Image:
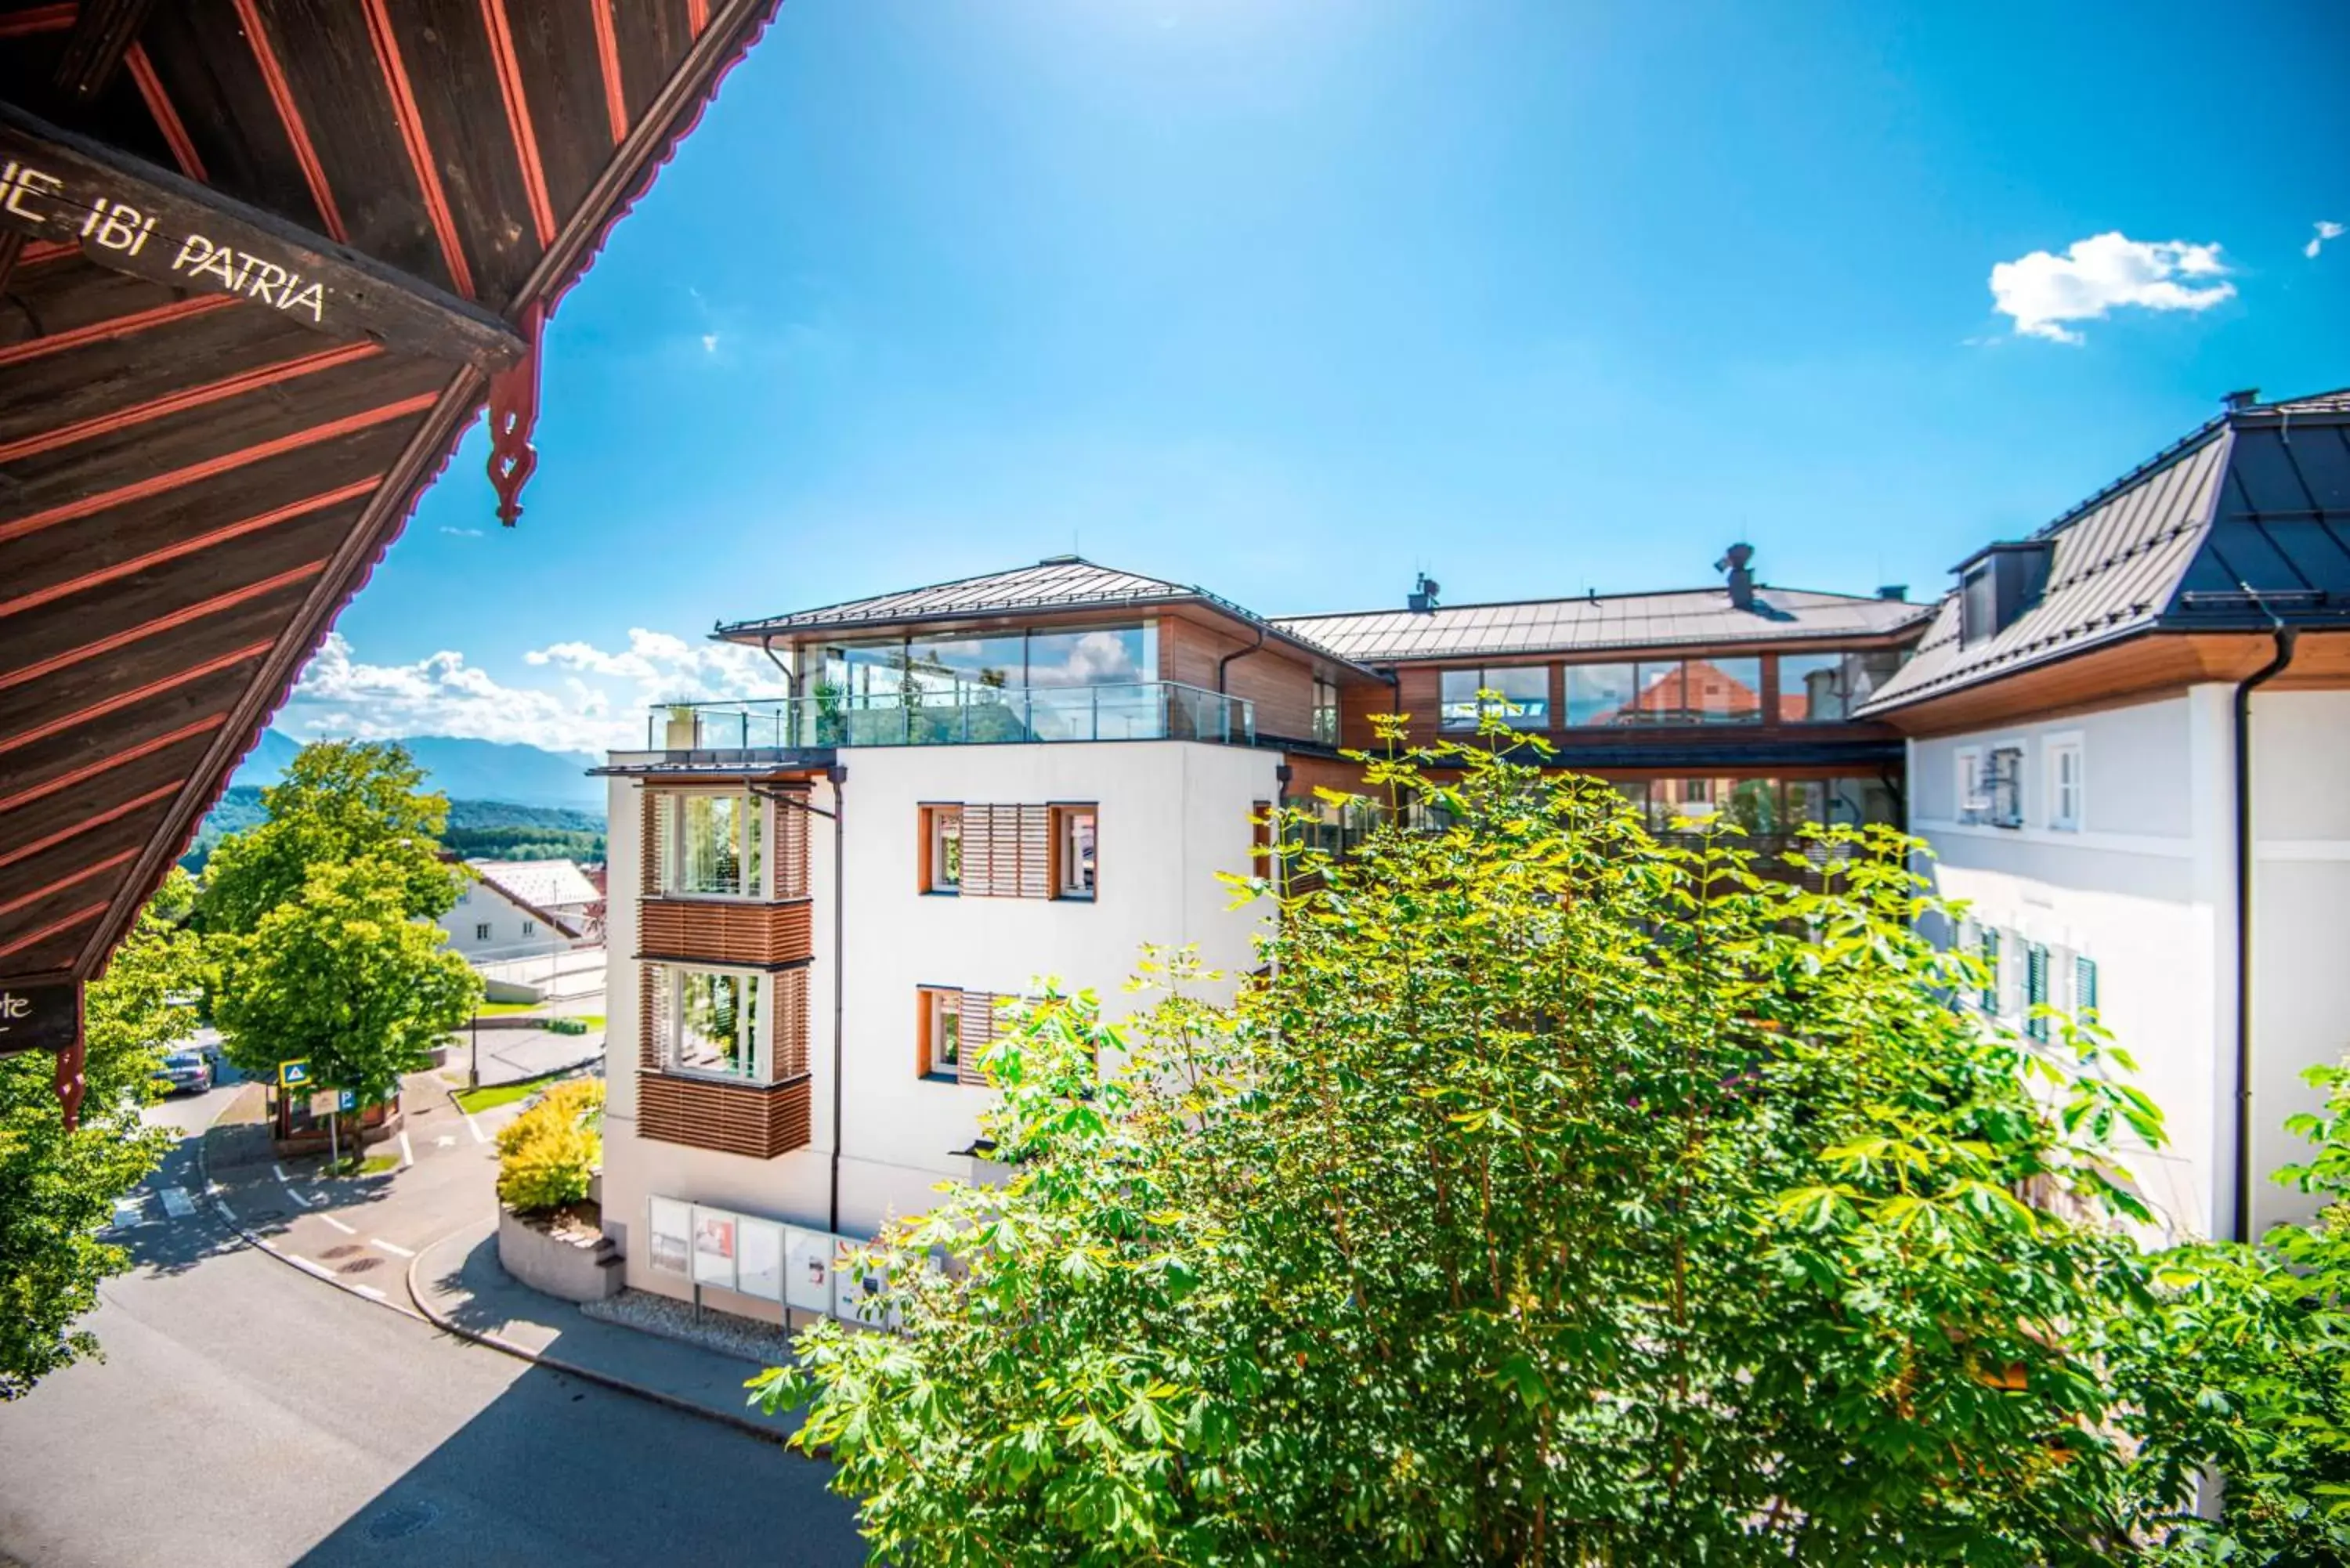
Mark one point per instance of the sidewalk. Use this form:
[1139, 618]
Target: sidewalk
[456, 1283]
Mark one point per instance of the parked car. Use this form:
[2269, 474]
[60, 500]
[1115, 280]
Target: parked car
[185, 1073]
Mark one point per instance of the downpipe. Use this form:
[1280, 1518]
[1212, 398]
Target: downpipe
[2286, 636]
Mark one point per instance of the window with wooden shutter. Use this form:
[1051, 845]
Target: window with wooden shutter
[978, 1034]
[2035, 989]
[1007, 851]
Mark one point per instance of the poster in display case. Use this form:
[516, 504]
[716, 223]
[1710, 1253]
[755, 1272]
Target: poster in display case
[672, 1232]
[759, 1259]
[713, 1247]
[807, 1269]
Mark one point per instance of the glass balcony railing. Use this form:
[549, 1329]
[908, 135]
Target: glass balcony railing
[1141, 710]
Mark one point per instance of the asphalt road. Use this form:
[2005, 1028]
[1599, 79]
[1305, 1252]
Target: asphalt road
[246, 1414]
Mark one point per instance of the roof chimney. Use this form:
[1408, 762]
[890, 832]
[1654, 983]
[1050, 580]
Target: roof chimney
[1895, 593]
[1741, 581]
[2240, 401]
[1423, 596]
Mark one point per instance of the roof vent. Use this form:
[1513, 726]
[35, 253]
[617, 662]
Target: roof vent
[1741, 581]
[1423, 596]
[2238, 401]
[1895, 593]
[1061, 561]
[1998, 584]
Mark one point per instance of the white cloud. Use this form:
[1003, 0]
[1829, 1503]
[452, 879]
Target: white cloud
[597, 704]
[709, 343]
[461, 533]
[2042, 292]
[2325, 232]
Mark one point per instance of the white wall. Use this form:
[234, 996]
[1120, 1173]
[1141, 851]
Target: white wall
[1172, 814]
[481, 903]
[2127, 889]
[2146, 887]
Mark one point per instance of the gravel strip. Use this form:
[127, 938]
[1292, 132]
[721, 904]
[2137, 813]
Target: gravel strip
[763, 1343]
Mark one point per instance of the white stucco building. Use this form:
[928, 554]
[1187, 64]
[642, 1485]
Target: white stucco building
[511, 909]
[2127, 738]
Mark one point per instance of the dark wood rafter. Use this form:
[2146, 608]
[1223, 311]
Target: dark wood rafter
[151, 223]
[289, 118]
[167, 115]
[607, 58]
[515, 97]
[411, 121]
[236, 386]
[111, 327]
[103, 31]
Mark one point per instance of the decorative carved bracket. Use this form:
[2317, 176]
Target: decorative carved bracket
[513, 417]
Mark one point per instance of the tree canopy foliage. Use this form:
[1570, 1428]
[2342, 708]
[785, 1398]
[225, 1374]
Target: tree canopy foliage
[345, 978]
[57, 1188]
[1553, 1195]
[339, 801]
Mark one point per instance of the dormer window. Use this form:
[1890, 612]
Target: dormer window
[1997, 585]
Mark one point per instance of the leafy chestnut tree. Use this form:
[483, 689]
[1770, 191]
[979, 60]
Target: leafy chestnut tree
[1554, 1195]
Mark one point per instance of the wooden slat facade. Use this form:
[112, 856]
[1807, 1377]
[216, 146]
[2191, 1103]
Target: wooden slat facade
[194, 481]
[756, 1121]
[724, 931]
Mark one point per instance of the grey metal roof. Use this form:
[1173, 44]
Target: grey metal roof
[1600, 622]
[1057, 583]
[2245, 522]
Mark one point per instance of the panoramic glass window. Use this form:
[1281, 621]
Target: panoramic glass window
[1599, 694]
[1824, 687]
[717, 847]
[1094, 656]
[717, 1023]
[1521, 696]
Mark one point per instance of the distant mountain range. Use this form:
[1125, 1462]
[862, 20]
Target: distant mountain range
[463, 770]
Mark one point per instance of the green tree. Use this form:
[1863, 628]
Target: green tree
[57, 1189]
[344, 977]
[1554, 1195]
[339, 801]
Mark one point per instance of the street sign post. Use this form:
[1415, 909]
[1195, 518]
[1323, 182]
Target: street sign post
[294, 1075]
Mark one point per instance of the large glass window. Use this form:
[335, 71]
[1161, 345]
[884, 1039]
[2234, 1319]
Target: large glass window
[1092, 682]
[716, 852]
[1073, 852]
[717, 1023]
[1846, 802]
[1824, 687]
[1600, 693]
[1521, 696]
[1696, 691]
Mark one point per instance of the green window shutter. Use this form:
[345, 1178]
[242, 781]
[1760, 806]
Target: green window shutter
[1989, 1000]
[2035, 987]
[2084, 985]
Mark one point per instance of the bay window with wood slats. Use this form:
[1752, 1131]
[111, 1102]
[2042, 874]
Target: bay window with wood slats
[743, 1025]
[735, 843]
[1011, 851]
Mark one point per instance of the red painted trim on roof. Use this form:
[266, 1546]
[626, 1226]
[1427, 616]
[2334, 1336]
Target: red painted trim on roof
[420, 149]
[289, 115]
[137, 695]
[608, 55]
[697, 15]
[101, 820]
[52, 929]
[47, 250]
[89, 770]
[177, 618]
[166, 118]
[352, 492]
[189, 398]
[38, 19]
[87, 505]
[518, 121]
[59, 885]
[113, 327]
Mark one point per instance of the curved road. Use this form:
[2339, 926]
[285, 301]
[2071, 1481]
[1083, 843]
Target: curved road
[246, 1414]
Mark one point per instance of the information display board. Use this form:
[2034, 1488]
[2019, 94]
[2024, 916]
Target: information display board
[671, 1231]
[808, 1266]
[759, 1259]
[714, 1232]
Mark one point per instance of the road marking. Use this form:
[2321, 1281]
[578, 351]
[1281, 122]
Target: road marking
[446, 1140]
[407, 1152]
[302, 1263]
[281, 1174]
[346, 1230]
[479, 1136]
[394, 1248]
[177, 1203]
[225, 1211]
[318, 1198]
[296, 1194]
[364, 1289]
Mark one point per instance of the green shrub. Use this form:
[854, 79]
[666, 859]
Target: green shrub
[546, 1155]
[565, 1025]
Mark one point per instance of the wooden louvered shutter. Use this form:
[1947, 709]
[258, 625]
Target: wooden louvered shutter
[978, 850]
[1034, 827]
[654, 1016]
[978, 1032]
[660, 813]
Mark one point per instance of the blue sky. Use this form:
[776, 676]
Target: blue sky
[1291, 298]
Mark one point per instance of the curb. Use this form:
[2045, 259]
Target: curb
[300, 1265]
[759, 1429]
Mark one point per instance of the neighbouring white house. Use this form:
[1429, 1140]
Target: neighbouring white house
[511, 909]
[2129, 736]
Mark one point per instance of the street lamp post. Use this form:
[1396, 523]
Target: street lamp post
[473, 1067]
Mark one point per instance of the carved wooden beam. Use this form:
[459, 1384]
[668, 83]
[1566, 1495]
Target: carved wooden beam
[103, 32]
[134, 217]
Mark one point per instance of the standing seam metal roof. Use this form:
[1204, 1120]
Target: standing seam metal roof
[2247, 517]
[1597, 623]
